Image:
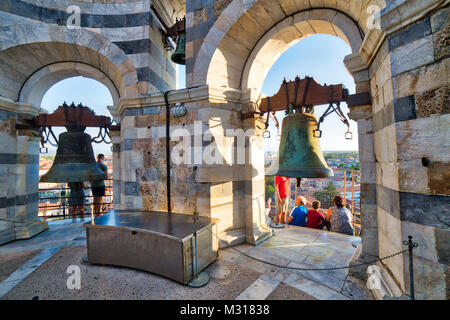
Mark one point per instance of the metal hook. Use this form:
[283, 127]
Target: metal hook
[319, 135]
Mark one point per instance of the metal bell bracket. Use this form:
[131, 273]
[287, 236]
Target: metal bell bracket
[45, 134]
[317, 133]
[338, 111]
[349, 135]
[101, 137]
[266, 133]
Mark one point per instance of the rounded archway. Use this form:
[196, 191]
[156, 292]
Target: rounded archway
[290, 31]
[38, 56]
[41, 81]
[248, 38]
[95, 95]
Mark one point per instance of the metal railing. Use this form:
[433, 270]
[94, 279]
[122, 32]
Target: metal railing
[54, 202]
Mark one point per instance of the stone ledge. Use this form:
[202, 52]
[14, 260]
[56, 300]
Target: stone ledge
[358, 258]
[231, 238]
[389, 289]
[259, 235]
[19, 107]
[183, 95]
[29, 230]
[396, 17]
[7, 235]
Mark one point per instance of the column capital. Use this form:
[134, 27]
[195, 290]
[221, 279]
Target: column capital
[18, 107]
[360, 112]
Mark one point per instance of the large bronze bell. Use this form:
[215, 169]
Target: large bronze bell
[179, 56]
[299, 154]
[74, 160]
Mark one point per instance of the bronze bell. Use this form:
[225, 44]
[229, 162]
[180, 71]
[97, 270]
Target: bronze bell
[74, 160]
[299, 154]
[179, 55]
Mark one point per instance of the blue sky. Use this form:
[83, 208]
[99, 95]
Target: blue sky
[90, 93]
[320, 56]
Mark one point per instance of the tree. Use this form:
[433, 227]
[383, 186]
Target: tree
[326, 195]
[270, 192]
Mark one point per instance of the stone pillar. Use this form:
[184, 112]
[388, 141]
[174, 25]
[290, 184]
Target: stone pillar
[115, 140]
[207, 171]
[256, 228]
[19, 178]
[419, 124]
[410, 123]
[368, 249]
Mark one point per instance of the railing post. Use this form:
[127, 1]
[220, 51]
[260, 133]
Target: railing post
[353, 196]
[345, 187]
[411, 245]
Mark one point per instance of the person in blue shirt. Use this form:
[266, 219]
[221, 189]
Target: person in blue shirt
[298, 215]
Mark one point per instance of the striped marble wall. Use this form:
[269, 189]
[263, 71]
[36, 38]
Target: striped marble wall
[19, 176]
[131, 25]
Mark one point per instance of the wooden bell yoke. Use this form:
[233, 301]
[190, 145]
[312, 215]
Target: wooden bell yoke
[73, 118]
[302, 95]
[306, 93]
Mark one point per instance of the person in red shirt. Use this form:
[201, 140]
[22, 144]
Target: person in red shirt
[281, 191]
[315, 219]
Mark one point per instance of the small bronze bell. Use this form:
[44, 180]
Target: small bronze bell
[74, 160]
[299, 154]
[179, 55]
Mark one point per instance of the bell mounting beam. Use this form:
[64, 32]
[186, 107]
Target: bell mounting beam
[308, 93]
[173, 31]
[67, 115]
[73, 118]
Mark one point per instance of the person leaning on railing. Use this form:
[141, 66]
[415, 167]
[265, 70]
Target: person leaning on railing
[98, 186]
[76, 199]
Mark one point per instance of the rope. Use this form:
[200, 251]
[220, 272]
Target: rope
[312, 269]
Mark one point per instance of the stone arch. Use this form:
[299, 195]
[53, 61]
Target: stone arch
[49, 53]
[244, 31]
[290, 31]
[38, 83]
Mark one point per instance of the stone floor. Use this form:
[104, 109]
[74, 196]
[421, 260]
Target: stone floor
[37, 268]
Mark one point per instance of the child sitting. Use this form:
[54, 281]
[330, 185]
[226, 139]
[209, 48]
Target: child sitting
[315, 219]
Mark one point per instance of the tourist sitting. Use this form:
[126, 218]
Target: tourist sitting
[315, 219]
[298, 215]
[340, 218]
